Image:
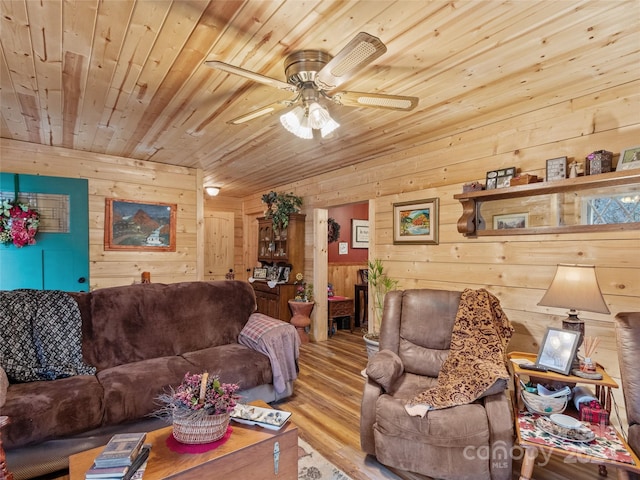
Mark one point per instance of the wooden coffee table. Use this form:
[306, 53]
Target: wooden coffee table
[249, 453]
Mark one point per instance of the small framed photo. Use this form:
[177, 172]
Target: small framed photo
[558, 349]
[630, 158]
[556, 169]
[260, 273]
[500, 178]
[511, 220]
[416, 222]
[283, 274]
[359, 233]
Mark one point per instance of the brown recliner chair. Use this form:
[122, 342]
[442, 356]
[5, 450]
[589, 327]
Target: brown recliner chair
[464, 442]
[628, 343]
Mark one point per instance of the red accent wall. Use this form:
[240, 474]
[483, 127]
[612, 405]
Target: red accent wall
[343, 215]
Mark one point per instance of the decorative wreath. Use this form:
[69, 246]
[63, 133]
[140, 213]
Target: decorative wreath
[18, 223]
[333, 228]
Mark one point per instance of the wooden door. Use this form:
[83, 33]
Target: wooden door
[219, 244]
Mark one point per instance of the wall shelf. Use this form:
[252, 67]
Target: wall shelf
[469, 223]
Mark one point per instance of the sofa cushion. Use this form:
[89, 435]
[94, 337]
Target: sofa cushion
[451, 427]
[43, 410]
[138, 322]
[233, 363]
[130, 391]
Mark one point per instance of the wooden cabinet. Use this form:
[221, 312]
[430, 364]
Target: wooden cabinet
[274, 301]
[279, 248]
[545, 207]
[285, 246]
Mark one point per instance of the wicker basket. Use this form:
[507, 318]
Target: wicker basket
[207, 429]
[544, 405]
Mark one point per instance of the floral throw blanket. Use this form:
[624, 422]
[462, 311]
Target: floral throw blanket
[475, 366]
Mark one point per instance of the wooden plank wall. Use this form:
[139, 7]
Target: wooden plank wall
[517, 269]
[122, 178]
[221, 203]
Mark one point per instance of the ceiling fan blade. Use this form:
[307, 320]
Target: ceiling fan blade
[266, 110]
[375, 100]
[256, 77]
[357, 54]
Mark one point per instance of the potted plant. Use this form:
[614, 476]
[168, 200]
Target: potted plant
[200, 408]
[279, 207]
[380, 284]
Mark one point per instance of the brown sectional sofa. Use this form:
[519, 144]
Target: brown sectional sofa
[141, 339]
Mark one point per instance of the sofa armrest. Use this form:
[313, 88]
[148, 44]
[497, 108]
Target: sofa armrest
[385, 368]
[500, 416]
[372, 390]
[279, 341]
[4, 386]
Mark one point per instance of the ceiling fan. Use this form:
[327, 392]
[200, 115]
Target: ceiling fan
[313, 75]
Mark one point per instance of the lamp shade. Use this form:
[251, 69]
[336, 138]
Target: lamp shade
[575, 287]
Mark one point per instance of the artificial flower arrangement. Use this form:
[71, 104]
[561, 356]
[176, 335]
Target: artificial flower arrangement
[200, 407]
[201, 394]
[18, 223]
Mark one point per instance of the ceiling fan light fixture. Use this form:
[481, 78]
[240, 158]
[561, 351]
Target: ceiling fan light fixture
[295, 122]
[329, 128]
[318, 116]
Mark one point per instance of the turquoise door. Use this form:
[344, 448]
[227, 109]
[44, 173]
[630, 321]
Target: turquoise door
[60, 260]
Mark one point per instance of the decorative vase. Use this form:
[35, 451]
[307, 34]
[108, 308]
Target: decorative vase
[205, 429]
[300, 318]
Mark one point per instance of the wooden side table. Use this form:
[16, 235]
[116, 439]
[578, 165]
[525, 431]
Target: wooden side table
[5, 474]
[340, 307]
[603, 393]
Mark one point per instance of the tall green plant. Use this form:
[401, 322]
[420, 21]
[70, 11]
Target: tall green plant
[380, 284]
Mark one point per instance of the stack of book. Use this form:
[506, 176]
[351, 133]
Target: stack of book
[123, 458]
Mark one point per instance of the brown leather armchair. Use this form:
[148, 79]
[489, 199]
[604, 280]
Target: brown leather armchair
[628, 343]
[463, 442]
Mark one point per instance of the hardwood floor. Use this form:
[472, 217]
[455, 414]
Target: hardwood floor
[326, 408]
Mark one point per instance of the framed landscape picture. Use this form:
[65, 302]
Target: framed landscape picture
[142, 226]
[511, 220]
[416, 222]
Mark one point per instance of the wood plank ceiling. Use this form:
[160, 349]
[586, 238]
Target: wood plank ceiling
[127, 78]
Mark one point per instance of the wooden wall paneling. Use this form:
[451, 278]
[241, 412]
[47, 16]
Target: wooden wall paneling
[319, 316]
[343, 277]
[126, 179]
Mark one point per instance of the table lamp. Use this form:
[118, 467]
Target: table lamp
[575, 287]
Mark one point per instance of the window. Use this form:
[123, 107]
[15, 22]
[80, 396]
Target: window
[602, 210]
[53, 209]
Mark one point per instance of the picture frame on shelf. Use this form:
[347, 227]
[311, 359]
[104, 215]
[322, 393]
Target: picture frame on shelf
[283, 274]
[556, 169]
[416, 222]
[140, 226]
[259, 273]
[558, 349]
[629, 158]
[500, 178]
[510, 221]
[359, 233]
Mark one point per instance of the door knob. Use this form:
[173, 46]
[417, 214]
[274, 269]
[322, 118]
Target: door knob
[82, 280]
